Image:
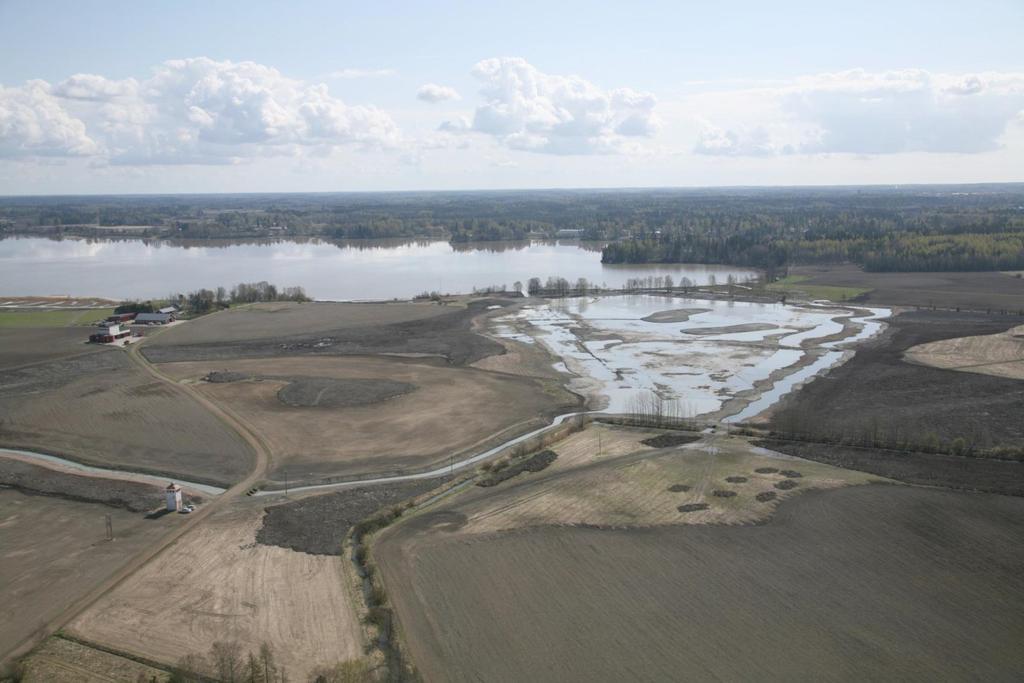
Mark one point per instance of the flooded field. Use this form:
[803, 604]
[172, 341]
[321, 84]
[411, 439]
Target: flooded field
[689, 357]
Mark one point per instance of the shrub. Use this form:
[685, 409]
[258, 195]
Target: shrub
[692, 507]
[765, 496]
[791, 474]
[678, 488]
[736, 480]
[786, 484]
[767, 470]
[723, 493]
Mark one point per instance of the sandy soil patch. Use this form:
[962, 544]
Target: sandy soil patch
[863, 583]
[450, 410]
[102, 410]
[54, 551]
[1001, 355]
[218, 583]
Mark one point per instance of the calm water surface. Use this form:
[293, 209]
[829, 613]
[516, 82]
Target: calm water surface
[353, 270]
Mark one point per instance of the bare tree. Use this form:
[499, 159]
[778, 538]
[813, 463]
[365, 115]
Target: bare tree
[226, 658]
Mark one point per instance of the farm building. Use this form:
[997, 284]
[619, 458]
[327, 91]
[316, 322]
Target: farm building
[154, 318]
[169, 309]
[109, 332]
[121, 317]
[173, 497]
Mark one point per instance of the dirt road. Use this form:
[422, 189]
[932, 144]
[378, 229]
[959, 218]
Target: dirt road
[144, 557]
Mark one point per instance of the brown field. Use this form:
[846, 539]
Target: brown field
[283, 319]
[59, 660]
[53, 551]
[982, 291]
[604, 476]
[218, 583]
[1001, 355]
[415, 329]
[25, 345]
[879, 392]
[861, 583]
[449, 410]
[101, 409]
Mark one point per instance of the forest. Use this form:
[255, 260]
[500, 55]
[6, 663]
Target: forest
[882, 228]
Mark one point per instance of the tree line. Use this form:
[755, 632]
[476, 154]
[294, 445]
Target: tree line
[201, 301]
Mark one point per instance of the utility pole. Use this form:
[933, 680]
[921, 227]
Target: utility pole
[110, 527]
[286, 484]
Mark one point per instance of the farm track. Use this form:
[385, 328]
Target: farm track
[142, 559]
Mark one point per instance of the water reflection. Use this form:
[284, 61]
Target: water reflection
[355, 269]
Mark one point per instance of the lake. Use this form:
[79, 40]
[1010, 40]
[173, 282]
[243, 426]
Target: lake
[354, 270]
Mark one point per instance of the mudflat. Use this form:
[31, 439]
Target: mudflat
[866, 582]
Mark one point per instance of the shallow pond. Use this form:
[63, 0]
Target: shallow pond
[691, 356]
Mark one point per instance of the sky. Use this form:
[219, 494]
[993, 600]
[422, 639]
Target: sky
[156, 97]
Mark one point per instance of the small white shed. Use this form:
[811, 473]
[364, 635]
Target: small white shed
[173, 497]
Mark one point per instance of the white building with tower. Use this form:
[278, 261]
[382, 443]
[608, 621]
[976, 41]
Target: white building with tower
[173, 497]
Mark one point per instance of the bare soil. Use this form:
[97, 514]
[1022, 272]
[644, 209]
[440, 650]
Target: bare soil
[862, 583]
[284, 319]
[877, 391]
[26, 345]
[333, 330]
[451, 410]
[927, 469]
[318, 524]
[102, 410]
[53, 551]
[982, 291]
[218, 583]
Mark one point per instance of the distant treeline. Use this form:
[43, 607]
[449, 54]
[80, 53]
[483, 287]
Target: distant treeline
[881, 228]
[945, 239]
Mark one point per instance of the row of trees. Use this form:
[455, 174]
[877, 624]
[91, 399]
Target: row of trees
[203, 301]
[227, 662]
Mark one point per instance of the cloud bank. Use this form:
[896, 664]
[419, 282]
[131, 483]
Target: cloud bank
[196, 111]
[526, 109]
[860, 112]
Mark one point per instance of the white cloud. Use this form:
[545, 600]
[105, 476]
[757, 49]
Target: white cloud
[189, 111]
[527, 109]
[860, 112]
[349, 74]
[432, 92]
[33, 122]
